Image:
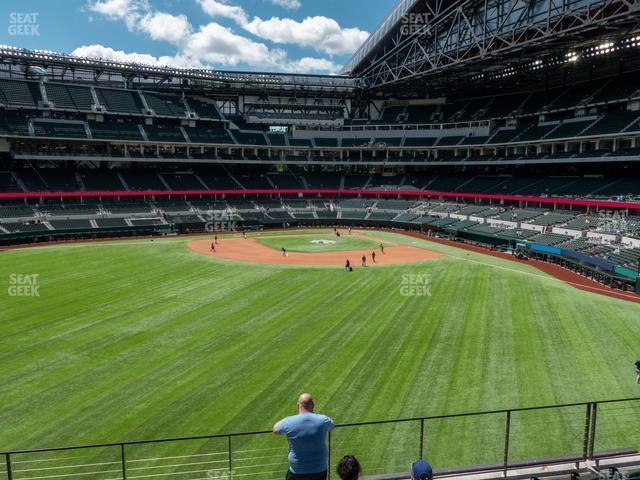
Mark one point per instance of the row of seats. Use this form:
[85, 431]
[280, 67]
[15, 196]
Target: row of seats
[18, 124]
[218, 177]
[77, 97]
[64, 96]
[597, 92]
[512, 223]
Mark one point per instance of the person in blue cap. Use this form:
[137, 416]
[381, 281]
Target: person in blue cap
[421, 470]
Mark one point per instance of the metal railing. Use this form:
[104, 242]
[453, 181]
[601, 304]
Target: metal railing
[492, 440]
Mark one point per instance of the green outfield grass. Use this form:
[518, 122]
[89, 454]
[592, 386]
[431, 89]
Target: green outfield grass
[304, 243]
[144, 339]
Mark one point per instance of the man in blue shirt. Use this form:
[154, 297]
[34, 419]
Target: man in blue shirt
[306, 433]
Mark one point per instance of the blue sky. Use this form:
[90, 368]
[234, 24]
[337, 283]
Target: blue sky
[315, 36]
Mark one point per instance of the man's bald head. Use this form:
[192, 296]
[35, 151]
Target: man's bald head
[305, 403]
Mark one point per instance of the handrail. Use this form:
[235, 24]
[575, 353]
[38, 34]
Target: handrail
[343, 425]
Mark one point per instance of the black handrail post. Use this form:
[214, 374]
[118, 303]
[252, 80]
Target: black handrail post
[592, 441]
[421, 438]
[587, 423]
[230, 457]
[507, 432]
[7, 459]
[329, 456]
[123, 460]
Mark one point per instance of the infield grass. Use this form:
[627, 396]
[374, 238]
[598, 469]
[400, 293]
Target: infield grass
[144, 339]
[309, 243]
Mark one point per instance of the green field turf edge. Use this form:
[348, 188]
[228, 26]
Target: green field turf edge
[138, 339]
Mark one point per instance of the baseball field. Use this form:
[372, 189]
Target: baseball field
[143, 339]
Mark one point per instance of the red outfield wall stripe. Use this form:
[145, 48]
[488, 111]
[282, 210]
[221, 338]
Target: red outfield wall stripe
[404, 193]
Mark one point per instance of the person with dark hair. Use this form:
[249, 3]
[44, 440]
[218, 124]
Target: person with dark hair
[614, 474]
[306, 433]
[364, 260]
[638, 372]
[421, 470]
[348, 468]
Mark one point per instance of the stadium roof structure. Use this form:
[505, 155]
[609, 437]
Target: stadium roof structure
[435, 42]
[421, 48]
[61, 66]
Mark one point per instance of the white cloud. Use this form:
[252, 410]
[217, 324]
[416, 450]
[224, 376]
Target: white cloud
[310, 64]
[128, 10]
[213, 45]
[107, 53]
[291, 4]
[166, 27]
[215, 8]
[320, 33]
[216, 44]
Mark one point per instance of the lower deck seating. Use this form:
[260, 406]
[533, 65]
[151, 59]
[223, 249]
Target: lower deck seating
[126, 208]
[184, 219]
[16, 211]
[111, 223]
[70, 224]
[549, 239]
[146, 222]
[26, 227]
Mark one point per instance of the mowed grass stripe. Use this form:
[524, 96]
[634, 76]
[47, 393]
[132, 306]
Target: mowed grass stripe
[123, 385]
[103, 333]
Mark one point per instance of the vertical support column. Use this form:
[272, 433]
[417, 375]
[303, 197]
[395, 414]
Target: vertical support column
[587, 423]
[507, 431]
[329, 457]
[592, 440]
[421, 438]
[124, 462]
[230, 457]
[7, 459]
